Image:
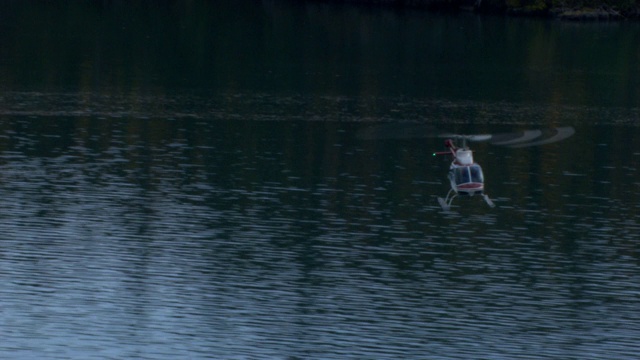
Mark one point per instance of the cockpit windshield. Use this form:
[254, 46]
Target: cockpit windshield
[468, 174]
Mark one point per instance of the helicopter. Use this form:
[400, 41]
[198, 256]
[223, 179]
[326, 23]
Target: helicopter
[466, 177]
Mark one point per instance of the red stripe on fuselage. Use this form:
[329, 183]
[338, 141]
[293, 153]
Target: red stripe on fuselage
[470, 186]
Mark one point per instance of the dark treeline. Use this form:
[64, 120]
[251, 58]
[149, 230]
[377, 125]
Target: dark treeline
[563, 9]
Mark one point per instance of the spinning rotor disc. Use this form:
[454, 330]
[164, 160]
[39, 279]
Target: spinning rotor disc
[517, 139]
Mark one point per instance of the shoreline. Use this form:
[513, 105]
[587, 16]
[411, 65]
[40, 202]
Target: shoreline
[571, 10]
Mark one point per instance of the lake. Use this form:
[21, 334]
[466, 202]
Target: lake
[191, 180]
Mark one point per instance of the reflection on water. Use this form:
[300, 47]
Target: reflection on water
[313, 48]
[179, 237]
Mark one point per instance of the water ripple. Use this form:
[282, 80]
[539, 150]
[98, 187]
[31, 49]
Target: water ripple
[114, 246]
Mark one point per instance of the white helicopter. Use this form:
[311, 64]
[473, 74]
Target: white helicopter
[466, 177]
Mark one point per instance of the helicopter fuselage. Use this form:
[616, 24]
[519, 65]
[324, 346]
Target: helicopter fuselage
[465, 176]
[466, 179]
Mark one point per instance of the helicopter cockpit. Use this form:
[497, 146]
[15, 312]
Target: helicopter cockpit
[467, 175]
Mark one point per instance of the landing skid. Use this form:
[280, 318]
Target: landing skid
[445, 203]
[488, 201]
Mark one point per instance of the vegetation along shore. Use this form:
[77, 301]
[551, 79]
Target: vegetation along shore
[579, 10]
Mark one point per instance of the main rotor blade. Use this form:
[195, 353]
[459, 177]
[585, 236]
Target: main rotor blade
[508, 139]
[561, 134]
[479, 137]
[514, 140]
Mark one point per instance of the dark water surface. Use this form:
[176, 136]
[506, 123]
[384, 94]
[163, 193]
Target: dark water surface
[189, 180]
